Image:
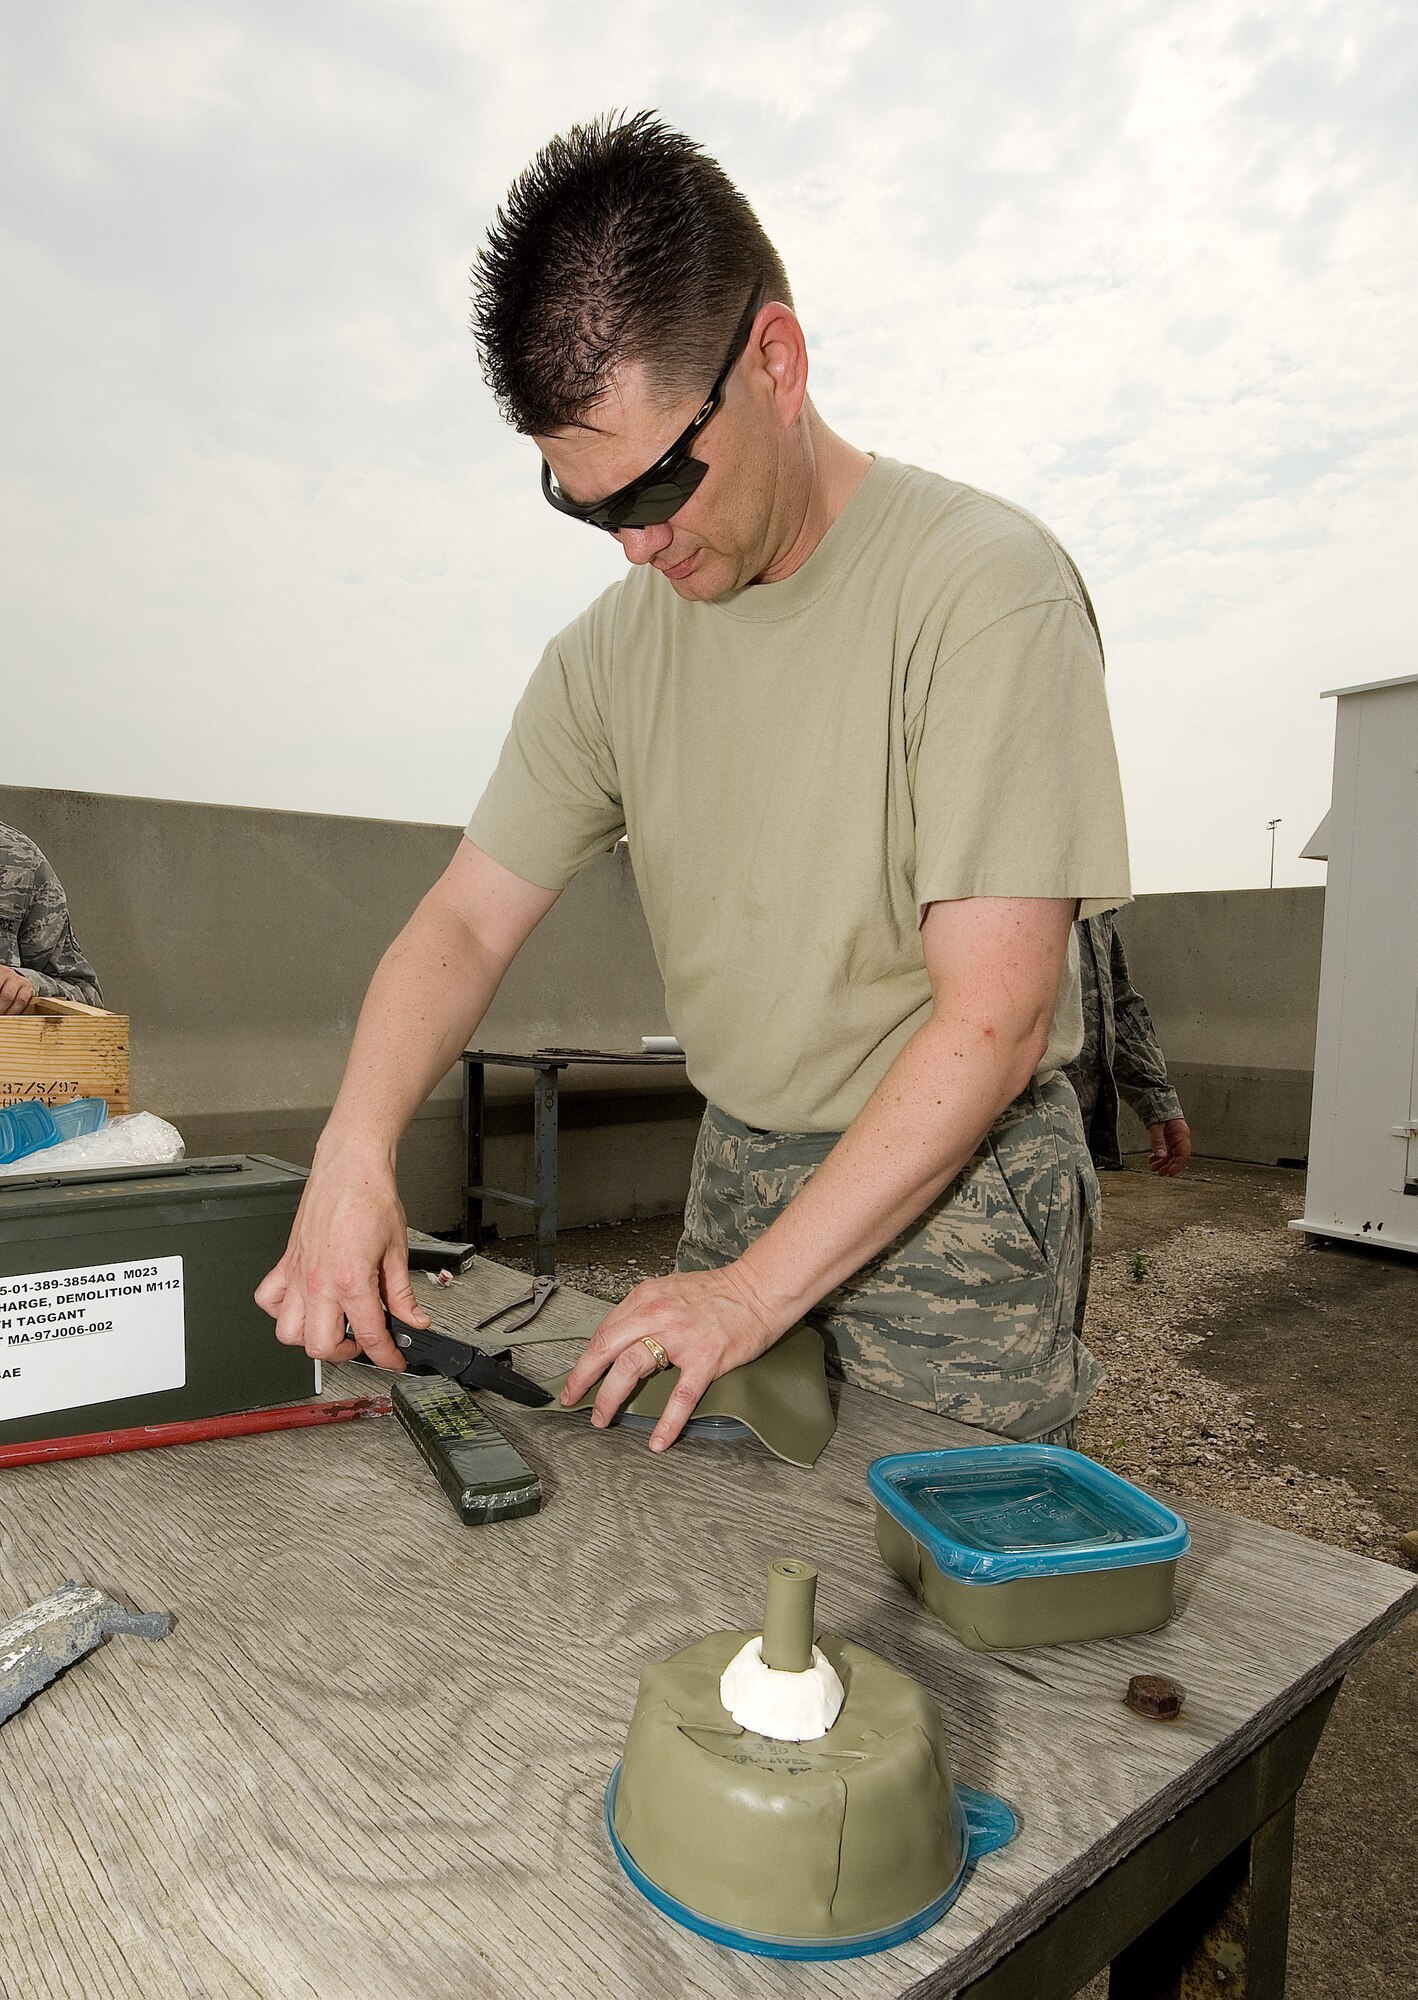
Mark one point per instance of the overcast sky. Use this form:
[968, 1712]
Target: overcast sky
[1148, 269]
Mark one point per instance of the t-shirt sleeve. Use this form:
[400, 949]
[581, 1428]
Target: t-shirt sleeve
[553, 803]
[1014, 776]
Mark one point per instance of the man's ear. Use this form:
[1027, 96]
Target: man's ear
[778, 355]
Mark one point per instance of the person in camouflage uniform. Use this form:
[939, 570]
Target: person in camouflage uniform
[1120, 1058]
[39, 954]
[970, 1312]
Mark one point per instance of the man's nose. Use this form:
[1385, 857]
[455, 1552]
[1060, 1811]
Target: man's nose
[642, 545]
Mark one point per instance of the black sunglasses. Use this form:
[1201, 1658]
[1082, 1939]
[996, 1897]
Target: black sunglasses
[663, 490]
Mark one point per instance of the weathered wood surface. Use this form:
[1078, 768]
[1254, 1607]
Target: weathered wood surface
[368, 1764]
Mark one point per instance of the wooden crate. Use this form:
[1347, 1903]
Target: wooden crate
[60, 1049]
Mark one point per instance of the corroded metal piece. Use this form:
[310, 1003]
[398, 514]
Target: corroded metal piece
[1155, 1696]
[36, 1647]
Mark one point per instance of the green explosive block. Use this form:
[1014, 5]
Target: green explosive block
[484, 1477]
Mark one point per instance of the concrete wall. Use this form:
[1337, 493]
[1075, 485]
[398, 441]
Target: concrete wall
[1231, 978]
[241, 943]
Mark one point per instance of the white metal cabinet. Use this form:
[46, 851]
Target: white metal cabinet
[1363, 1170]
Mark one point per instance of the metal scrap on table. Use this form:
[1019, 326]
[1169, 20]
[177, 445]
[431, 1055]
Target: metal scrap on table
[36, 1647]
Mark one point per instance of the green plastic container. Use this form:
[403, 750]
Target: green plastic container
[1013, 1546]
[126, 1296]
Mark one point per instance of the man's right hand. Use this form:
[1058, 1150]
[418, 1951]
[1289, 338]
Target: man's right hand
[16, 992]
[347, 1259]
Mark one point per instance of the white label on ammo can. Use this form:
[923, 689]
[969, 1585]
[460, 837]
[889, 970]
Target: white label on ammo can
[69, 1338]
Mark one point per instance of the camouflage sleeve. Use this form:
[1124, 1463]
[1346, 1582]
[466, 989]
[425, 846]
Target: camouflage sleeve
[1139, 1067]
[49, 952]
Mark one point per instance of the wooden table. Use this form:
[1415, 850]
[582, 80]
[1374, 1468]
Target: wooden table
[546, 1066]
[369, 1762]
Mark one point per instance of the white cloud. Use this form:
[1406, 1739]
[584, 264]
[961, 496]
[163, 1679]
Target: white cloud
[1148, 270]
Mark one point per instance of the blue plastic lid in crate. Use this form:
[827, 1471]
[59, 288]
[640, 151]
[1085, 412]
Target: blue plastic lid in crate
[992, 1513]
[30, 1127]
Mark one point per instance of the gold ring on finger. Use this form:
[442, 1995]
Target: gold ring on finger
[657, 1353]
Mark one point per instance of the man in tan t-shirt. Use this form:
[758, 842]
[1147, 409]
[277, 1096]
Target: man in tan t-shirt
[850, 716]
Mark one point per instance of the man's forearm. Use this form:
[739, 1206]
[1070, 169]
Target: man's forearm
[431, 989]
[912, 1137]
[346, 1264]
[995, 965]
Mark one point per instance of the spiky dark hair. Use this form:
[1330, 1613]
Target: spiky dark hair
[622, 241]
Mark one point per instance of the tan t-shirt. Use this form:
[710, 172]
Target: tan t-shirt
[917, 714]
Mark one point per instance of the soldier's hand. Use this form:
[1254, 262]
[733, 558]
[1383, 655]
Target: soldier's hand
[1170, 1147]
[348, 1257]
[16, 992]
[704, 1322]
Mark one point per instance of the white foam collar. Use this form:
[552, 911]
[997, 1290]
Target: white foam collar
[791, 1708]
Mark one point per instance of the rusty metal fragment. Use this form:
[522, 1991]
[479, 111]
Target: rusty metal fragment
[1155, 1696]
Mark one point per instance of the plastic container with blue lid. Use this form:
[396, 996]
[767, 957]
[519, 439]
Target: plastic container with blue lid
[31, 1127]
[1026, 1544]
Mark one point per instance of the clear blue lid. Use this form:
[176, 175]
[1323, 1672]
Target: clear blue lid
[31, 1127]
[27, 1127]
[991, 1513]
[79, 1117]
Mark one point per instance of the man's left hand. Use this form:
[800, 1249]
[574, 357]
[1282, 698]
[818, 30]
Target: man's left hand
[16, 992]
[1170, 1147]
[706, 1322]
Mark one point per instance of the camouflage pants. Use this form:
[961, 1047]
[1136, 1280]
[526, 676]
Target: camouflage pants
[970, 1311]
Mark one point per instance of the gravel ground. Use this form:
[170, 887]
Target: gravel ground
[609, 1259]
[1161, 1420]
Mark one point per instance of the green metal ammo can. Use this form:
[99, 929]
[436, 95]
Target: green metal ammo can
[126, 1296]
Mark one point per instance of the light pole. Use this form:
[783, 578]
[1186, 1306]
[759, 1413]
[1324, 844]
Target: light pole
[1272, 824]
